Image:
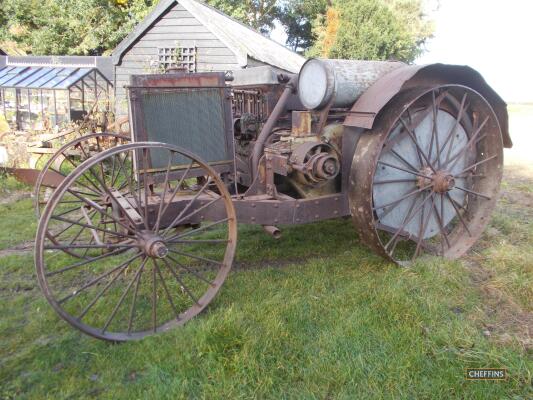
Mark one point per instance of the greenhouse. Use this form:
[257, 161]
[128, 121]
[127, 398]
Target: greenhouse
[37, 98]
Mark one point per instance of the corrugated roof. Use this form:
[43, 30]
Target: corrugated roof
[239, 38]
[36, 77]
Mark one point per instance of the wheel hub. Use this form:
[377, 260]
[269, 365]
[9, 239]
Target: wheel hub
[153, 245]
[440, 181]
[443, 182]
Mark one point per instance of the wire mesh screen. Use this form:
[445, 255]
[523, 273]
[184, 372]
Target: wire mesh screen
[189, 118]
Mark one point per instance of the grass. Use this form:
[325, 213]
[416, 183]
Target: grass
[314, 316]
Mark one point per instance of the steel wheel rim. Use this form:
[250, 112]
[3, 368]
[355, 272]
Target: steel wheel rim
[157, 266]
[60, 152]
[467, 200]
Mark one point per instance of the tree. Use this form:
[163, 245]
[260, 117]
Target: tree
[372, 29]
[259, 14]
[65, 27]
[297, 17]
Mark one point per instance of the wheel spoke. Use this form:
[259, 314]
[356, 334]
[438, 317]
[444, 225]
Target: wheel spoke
[417, 120]
[106, 288]
[98, 208]
[91, 227]
[165, 185]
[180, 215]
[423, 227]
[413, 203]
[434, 131]
[180, 282]
[201, 229]
[471, 141]
[420, 151]
[56, 235]
[183, 219]
[134, 302]
[472, 192]
[403, 169]
[191, 271]
[451, 132]
[408, 220]
[121, 300]
[199, 258]
[413, 168]
[110, 194]
[440, 223]
[132, 191]
[477, 164]
[89, 284]
[82, 263]
[154, 300]
[458, 213]
[91, 246]
[95, 188]
[175, 191]
[402, 198]
[145, 181]
[207, 241]
[165, 288]
[394, 181]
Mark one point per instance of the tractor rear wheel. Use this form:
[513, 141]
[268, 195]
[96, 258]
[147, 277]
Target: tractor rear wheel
[426, 178]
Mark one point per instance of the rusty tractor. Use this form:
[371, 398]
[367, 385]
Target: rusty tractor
[138, 233]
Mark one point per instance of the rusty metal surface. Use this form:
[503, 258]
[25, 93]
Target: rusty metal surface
[364, 112]
[150, 240]
[339, 83]
[71, 154]
[192, 111]
[301, 123]
[366, 163]
[279, 109]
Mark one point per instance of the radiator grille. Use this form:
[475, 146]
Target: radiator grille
[193, 119]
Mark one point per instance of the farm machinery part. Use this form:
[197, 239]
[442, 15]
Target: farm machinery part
[139, 238]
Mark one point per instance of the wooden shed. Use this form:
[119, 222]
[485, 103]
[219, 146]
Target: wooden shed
[193, 35]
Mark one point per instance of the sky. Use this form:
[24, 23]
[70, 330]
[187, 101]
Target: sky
[494, 37]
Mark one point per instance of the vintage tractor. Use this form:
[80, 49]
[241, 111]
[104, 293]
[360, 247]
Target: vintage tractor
[138, 238]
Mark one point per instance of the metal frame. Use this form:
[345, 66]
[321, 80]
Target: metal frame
[175, 82]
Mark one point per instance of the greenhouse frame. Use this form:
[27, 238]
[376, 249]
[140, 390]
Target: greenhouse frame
[37, 98]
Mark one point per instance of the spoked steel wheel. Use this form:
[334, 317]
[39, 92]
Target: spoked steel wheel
[426, 178]
[136, 240]
[66, 159]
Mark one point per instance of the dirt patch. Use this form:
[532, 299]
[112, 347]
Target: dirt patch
[524, 199]
[19, 250]
[508, 321]
[502, 319]
[12, 197]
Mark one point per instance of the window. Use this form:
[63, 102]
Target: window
[177, 57]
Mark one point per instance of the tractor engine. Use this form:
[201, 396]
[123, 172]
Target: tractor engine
[305, 161]
[303, 153]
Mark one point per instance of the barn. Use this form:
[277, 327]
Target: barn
[193, 35]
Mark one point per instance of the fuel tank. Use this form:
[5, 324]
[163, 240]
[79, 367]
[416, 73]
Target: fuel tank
[341, 81]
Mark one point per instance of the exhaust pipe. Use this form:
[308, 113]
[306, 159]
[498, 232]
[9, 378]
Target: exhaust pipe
[272, 231]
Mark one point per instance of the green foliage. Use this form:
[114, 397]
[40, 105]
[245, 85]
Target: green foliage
[65, 27]
[368, 29]
[259, 14]
[297, 18]
[373, 29]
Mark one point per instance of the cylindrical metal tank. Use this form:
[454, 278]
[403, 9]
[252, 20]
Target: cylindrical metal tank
[322, 80]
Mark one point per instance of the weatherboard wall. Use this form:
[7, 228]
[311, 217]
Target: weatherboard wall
[176, 27]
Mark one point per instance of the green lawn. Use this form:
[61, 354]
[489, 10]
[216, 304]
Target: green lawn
[315, 316]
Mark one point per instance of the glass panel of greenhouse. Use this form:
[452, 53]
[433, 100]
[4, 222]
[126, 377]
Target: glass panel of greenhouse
[37, 98]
